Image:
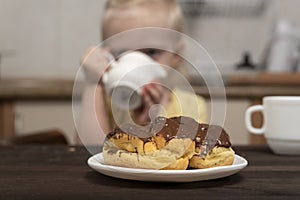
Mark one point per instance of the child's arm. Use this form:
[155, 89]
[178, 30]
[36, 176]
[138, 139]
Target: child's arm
[93, 118]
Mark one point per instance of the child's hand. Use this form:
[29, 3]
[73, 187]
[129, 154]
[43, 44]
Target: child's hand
[151, 94]
[94, 63]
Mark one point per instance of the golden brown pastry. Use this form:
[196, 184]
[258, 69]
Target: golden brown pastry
[166, 143]
[220, 153]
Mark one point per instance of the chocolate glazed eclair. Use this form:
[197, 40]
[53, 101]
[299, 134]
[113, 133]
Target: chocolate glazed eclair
[166, 143]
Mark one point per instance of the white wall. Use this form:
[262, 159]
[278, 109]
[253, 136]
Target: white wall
[227, 37]
[47, 37]
[35, 117]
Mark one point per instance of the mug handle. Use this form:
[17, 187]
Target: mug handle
[249, 126]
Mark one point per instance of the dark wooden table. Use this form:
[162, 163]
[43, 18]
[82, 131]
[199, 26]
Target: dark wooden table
[60, 172]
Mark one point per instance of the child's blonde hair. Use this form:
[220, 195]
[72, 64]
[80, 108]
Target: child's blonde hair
[170, 9]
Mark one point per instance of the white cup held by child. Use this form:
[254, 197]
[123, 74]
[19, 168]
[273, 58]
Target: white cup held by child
[125, 79]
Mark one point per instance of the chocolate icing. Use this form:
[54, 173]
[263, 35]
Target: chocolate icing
[175, 127]
[141, 132]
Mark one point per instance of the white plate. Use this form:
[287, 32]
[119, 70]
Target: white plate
[96, 162]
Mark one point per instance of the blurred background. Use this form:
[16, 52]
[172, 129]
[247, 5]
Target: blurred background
[44, 39]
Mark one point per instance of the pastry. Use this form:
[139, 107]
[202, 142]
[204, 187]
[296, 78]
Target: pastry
[166, 143]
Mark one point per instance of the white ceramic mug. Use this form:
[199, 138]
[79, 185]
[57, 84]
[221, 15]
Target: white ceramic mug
[126, 77]
[281, 125]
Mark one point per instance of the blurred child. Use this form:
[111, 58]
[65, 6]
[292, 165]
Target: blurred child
[122, 15]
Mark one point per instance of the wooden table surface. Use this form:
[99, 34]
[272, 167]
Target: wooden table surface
[61, 172]
[36, 89]
[245, 87]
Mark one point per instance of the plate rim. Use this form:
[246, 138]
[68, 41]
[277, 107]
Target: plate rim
[120, 172]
